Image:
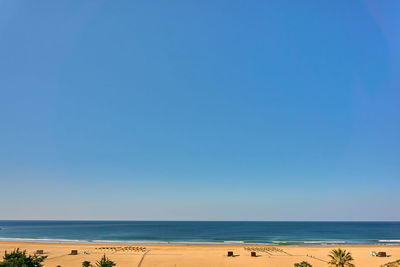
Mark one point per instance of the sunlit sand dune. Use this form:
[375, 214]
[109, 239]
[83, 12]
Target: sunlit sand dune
[198, 256]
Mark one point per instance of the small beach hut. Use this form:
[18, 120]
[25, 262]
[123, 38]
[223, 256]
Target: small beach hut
[230, 253]
[74, 252]
[253, 254]
[39, 251]
[381, 254]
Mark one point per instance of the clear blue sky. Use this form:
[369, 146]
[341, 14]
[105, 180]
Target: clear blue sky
[200, 110]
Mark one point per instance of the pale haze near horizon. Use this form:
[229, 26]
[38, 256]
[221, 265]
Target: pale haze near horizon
[200, 110]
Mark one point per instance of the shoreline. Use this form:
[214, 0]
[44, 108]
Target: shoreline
[185, 244]
[325, 243]
[199, 244]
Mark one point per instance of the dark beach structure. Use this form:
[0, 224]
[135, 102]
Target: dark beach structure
[381, 254]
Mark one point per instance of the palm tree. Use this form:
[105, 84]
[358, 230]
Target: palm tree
[105, 262]
[340, 258]
[302, 264]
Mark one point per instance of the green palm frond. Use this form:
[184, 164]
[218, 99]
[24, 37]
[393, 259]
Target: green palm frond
[340, 258]
[302, 264]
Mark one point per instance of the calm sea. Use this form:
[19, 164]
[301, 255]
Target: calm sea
[278, 233]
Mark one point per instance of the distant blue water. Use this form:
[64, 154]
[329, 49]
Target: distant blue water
[279, 233]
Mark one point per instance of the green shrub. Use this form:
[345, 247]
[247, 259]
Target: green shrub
[302, 264]
[19, 258]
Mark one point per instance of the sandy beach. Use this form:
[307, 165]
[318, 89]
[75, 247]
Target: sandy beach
[197, 255]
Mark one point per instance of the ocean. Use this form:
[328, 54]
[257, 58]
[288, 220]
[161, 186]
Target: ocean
[204, 232]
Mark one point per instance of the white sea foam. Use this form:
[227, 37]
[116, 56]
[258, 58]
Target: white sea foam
[50, 240]
[130, 242]
[324, 242]
[161, 242]
[127, 242]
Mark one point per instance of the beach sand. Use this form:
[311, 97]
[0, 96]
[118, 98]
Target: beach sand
[198, 255]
